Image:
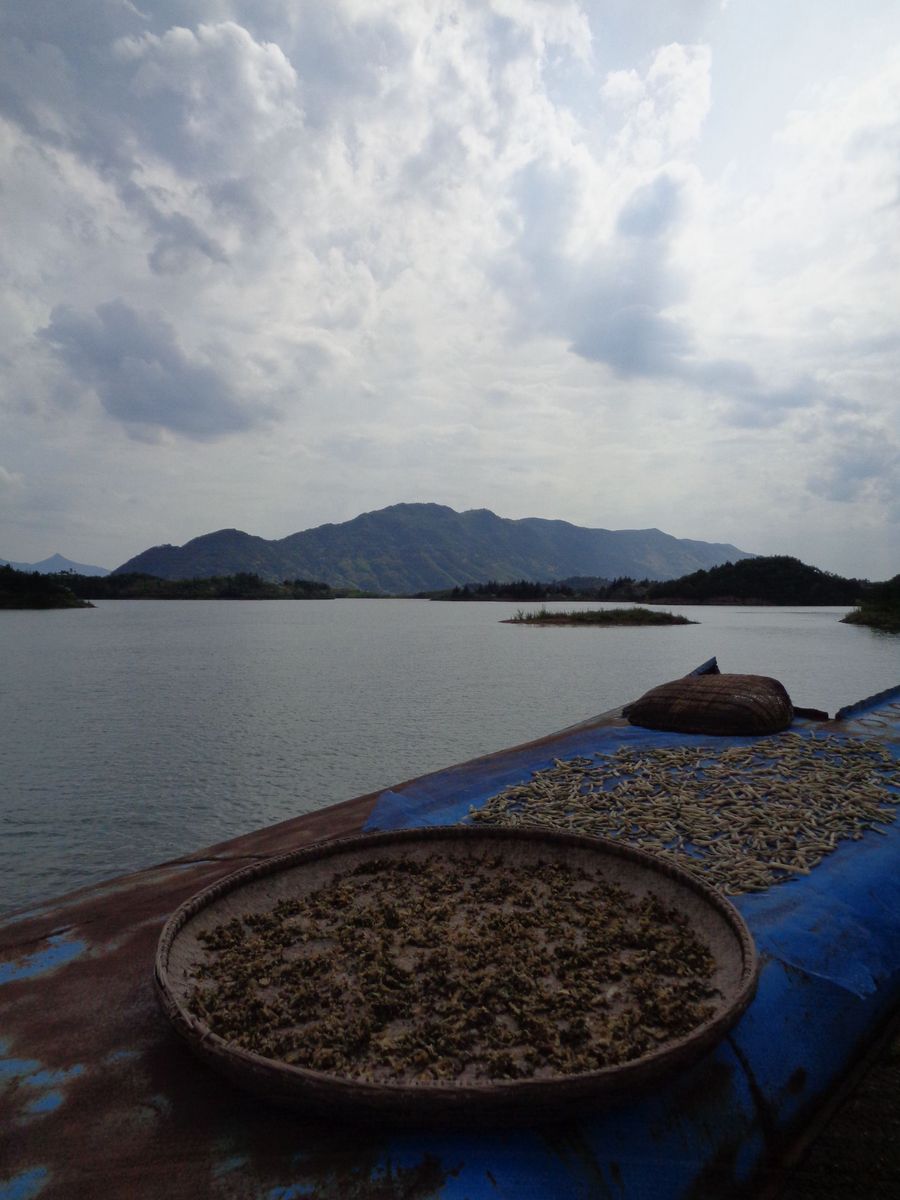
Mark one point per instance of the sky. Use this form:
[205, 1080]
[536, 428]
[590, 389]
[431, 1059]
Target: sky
[267, 264]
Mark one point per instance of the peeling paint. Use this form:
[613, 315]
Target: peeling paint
[420, 1179]
[24, 1186]
[25, 1076]
[227, 1165]
[114, 1126]
[59, 951]
[15, 1068]
[49, 1102]
[121, 1056]
[48, 1078]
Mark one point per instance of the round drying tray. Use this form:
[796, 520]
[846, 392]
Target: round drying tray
[405, 1101]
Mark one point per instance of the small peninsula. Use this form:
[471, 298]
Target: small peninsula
[880, 608]
[597, 616]
[21, 589]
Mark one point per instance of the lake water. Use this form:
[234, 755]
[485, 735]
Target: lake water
[143, 730]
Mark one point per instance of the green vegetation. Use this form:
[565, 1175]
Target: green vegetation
[880, 609]
[408, 549]
[518, 589]
[575, 587]
[30, 589]
[775, 579]
[598, 616]
[242, 586]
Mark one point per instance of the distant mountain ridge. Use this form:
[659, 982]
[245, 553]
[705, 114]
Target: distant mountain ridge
[409, 548]
[54, 564]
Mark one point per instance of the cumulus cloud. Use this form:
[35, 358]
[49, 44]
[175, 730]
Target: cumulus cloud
[142, 376]
[651, 209]
[593, 244]
[862, 462]
[10, 481]
[336, 233]
[205, 96]
[665, 109]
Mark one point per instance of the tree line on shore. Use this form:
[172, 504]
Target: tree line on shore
[770, 579]
[244, 585]
[21, 589]
[773, 579]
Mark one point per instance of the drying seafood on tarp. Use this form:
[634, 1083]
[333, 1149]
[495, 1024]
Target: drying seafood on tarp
[742, 817]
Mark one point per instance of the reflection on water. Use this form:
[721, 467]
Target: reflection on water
[141, 730]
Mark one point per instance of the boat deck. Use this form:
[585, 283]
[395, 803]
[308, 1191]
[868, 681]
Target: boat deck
[99, 1098]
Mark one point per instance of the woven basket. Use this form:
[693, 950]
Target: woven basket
[717, 704]
[257, 888]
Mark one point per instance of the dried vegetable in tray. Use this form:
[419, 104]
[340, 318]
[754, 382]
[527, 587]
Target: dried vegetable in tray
[441, 971]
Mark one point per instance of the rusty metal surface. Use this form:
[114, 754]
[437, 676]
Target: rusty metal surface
[99, 1098]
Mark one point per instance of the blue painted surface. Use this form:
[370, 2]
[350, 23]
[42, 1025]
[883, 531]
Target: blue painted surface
[59, 951]
[446, 797]
[122, 1056]
[24, 1186]
[18, 1068]
[867, 705]
[830, 946]
[49, 1102]
[47, 1078]
[28, 1076]
[234, 1162]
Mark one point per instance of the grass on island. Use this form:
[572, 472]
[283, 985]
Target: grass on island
[597, 616]
[885, 617]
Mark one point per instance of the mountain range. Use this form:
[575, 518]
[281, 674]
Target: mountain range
[409, 548]
[53, 565]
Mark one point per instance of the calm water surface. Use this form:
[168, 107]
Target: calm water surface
[142, 730]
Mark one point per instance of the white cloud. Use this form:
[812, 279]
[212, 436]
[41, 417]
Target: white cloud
[222, 94]
[134, 363]
[10, 481]
[665, 111]
[422, 248]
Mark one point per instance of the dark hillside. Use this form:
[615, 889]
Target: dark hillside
[409, 548]
[20, 589]
[774, 579]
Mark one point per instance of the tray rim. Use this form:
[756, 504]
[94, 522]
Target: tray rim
[324, 1091]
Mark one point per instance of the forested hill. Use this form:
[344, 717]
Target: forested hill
[774, 579]
[23, 589]
[410, 548]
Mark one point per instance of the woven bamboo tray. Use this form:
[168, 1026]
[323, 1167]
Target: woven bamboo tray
[258, 888]
[724, 704]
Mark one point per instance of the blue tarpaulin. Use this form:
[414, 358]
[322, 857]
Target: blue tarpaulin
[830, 949]
[103, 1100]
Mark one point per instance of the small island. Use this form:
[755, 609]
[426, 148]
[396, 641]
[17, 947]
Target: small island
[597, 616]
[21, 589]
